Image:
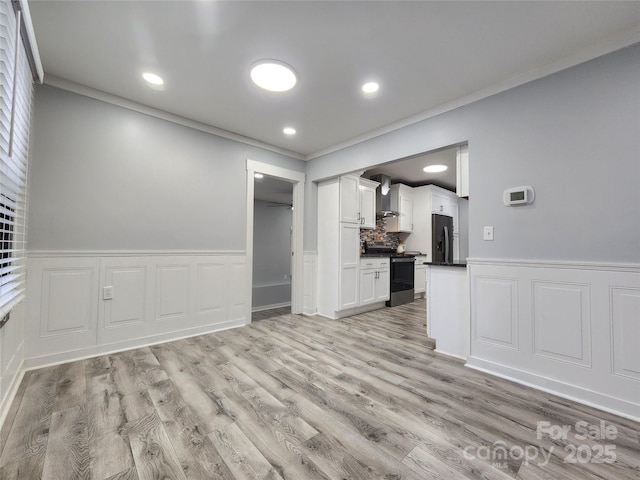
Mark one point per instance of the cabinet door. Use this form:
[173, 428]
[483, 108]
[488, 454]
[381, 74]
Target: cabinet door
[462, 171]
[349, 199]
[367, 207]
[420, 281]
[439, 204]
[382, 286]
[367, 286]
[406, 213]
[349, 260]
[453, 208]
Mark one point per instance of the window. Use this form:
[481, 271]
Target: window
[16, 92]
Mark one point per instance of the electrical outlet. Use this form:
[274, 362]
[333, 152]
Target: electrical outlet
[488, 233]
[107, 293]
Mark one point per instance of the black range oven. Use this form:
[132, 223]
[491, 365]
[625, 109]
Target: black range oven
[401, 275]
[401, 278]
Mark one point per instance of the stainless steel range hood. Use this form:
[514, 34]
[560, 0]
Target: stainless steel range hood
[383, 196]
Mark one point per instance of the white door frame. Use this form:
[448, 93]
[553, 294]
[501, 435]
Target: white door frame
[297, 245]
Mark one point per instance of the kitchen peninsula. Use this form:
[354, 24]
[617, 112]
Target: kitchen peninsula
[448, 319]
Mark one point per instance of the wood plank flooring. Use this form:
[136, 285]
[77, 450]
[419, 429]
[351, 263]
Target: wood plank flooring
[294, 397]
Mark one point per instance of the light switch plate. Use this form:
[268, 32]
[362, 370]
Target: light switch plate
[488, 233]
[107, 293]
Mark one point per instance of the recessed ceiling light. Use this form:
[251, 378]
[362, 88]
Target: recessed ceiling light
[435, 168]
[273, 75]
[370, 87]
[258, 175]
[289, 131]
[152, 78]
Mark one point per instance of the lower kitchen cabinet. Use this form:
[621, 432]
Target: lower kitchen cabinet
[374, 280]
[420, 277]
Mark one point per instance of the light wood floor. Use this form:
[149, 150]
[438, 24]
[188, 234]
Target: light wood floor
[292, 397]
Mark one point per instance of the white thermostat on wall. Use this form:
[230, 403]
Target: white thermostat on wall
[518, 196]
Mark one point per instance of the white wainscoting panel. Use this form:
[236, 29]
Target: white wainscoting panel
[625, 322]
[496, 311]
[156, 297]
[577, 324]
[238, 306]
[562, 323]
[61, 305]
[67, 301]
[172, 300]
[310, 303]
[211, 284]
[128, 312]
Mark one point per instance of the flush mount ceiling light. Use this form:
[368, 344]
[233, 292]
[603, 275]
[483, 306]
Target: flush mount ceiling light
[435, 168]
[258, 176]
[289, 131]
[370, 87]
[153, 81]
[273, 75]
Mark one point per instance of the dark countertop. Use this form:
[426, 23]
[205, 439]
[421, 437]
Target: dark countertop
[375, 255]
[454, 264]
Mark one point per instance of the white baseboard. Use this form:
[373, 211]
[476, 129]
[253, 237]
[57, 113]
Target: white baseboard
[270, 307]
[90, 352]
[584, 396]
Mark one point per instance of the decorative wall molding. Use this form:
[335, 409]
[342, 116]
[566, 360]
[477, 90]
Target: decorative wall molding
[310, 304]
[563, 327]
[154, 298]
[131, 253]
[599, 266]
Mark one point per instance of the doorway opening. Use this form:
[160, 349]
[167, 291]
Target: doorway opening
[289, 185]
[272, 247]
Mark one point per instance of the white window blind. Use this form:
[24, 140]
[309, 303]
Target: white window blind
[16, 93]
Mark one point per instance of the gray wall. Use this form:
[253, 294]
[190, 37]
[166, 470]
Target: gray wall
[573, 136]
[271, 254]
[271, 243]
[103, 177]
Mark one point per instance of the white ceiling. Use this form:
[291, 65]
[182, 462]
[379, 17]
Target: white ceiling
[427, 56]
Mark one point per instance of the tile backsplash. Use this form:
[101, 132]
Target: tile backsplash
[379, 235]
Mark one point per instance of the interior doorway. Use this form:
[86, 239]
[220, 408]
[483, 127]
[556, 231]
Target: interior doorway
[272, 243]
[296, 181]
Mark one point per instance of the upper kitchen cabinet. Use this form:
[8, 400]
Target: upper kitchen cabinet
[462, 171]
[367, 203]
[401, 202]
[349, 199]
[358, 201]
[441, 203]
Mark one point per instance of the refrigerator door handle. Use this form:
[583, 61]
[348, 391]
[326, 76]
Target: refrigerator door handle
[446, 244]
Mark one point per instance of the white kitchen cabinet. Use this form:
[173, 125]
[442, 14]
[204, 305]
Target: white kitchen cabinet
[349, 259]
[367, 203]
[349, 199]
[420, 279]
[339, 226]
[440, 203]
[402, 202]
[462, 171]
[374, 280]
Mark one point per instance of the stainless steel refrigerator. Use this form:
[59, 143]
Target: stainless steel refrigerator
[442, 238]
